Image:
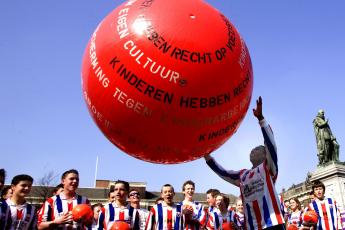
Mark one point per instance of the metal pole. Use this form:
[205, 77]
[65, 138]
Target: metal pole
[96, 171]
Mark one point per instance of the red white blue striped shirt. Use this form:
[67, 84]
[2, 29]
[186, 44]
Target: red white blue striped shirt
[342, 218]
[56, 206]
[214, 219]
[113, 212]
[165, 217]
[199, 215]
[329, 216]
[231, 216]
[21, 217]
[4, 214]
[295, 218]
[241, 220]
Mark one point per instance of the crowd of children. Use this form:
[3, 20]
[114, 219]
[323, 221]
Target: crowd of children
[124, 205]
[261, 207]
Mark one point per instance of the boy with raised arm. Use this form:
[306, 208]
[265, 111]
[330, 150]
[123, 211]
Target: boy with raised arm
[260, 199]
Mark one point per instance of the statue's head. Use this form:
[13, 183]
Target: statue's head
[321, 113]
[258, 155]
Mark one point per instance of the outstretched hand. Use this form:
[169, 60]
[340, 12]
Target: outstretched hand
[258, 110]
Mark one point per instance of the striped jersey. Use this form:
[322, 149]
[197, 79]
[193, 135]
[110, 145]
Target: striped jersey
[198, 215]
[112, 212]
[342, 218]
[231, 216]
[56, 206]
[165, 217]
[214, 219]
[283, 208]
[295, 218]
[261, 201]
[143, 215]
[329, 216]
[241, 219]
[4, 214]
[21, 217]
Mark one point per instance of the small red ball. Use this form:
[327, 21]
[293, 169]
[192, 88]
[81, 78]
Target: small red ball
[227, 226]
[292, 227]
[82, 213]
[310, 217]
[120, 225]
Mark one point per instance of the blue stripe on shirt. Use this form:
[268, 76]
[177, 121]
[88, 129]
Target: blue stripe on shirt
[59, 204]
[79, 199]
[160, 216]
[250, 218]
[318, 214]
[330, 202]
[216, 220]
[178, 216]
[267, 217]
[111, 212]
[271, 148]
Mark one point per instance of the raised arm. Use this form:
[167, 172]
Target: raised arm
[230, 176]
[271, 148]
[270, 145]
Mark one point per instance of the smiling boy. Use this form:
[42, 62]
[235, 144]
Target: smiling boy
[193, 211]
[22, 214]
[56, 211]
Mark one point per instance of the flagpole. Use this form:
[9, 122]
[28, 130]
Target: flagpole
[96, 171]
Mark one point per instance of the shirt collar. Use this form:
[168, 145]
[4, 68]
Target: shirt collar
[63, 197]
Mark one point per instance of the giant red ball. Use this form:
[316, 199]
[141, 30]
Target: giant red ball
[167, 81]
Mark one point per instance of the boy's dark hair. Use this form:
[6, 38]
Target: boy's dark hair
[134, 189]
[21, 177]
[225, 199]
[68, 172]
[125, 183]
[317, 184]
[96, 205]
[188, 182]
[213, 192]
[57, 187]
[158, 199]
[168, 185]
[4, 191]
[3, 173]
[110, 191]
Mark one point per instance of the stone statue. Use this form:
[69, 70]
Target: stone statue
[307, 179]
[327, 145]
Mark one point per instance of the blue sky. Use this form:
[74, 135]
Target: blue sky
[298, 54]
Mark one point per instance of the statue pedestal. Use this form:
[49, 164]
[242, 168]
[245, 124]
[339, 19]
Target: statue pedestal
[332, 174]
